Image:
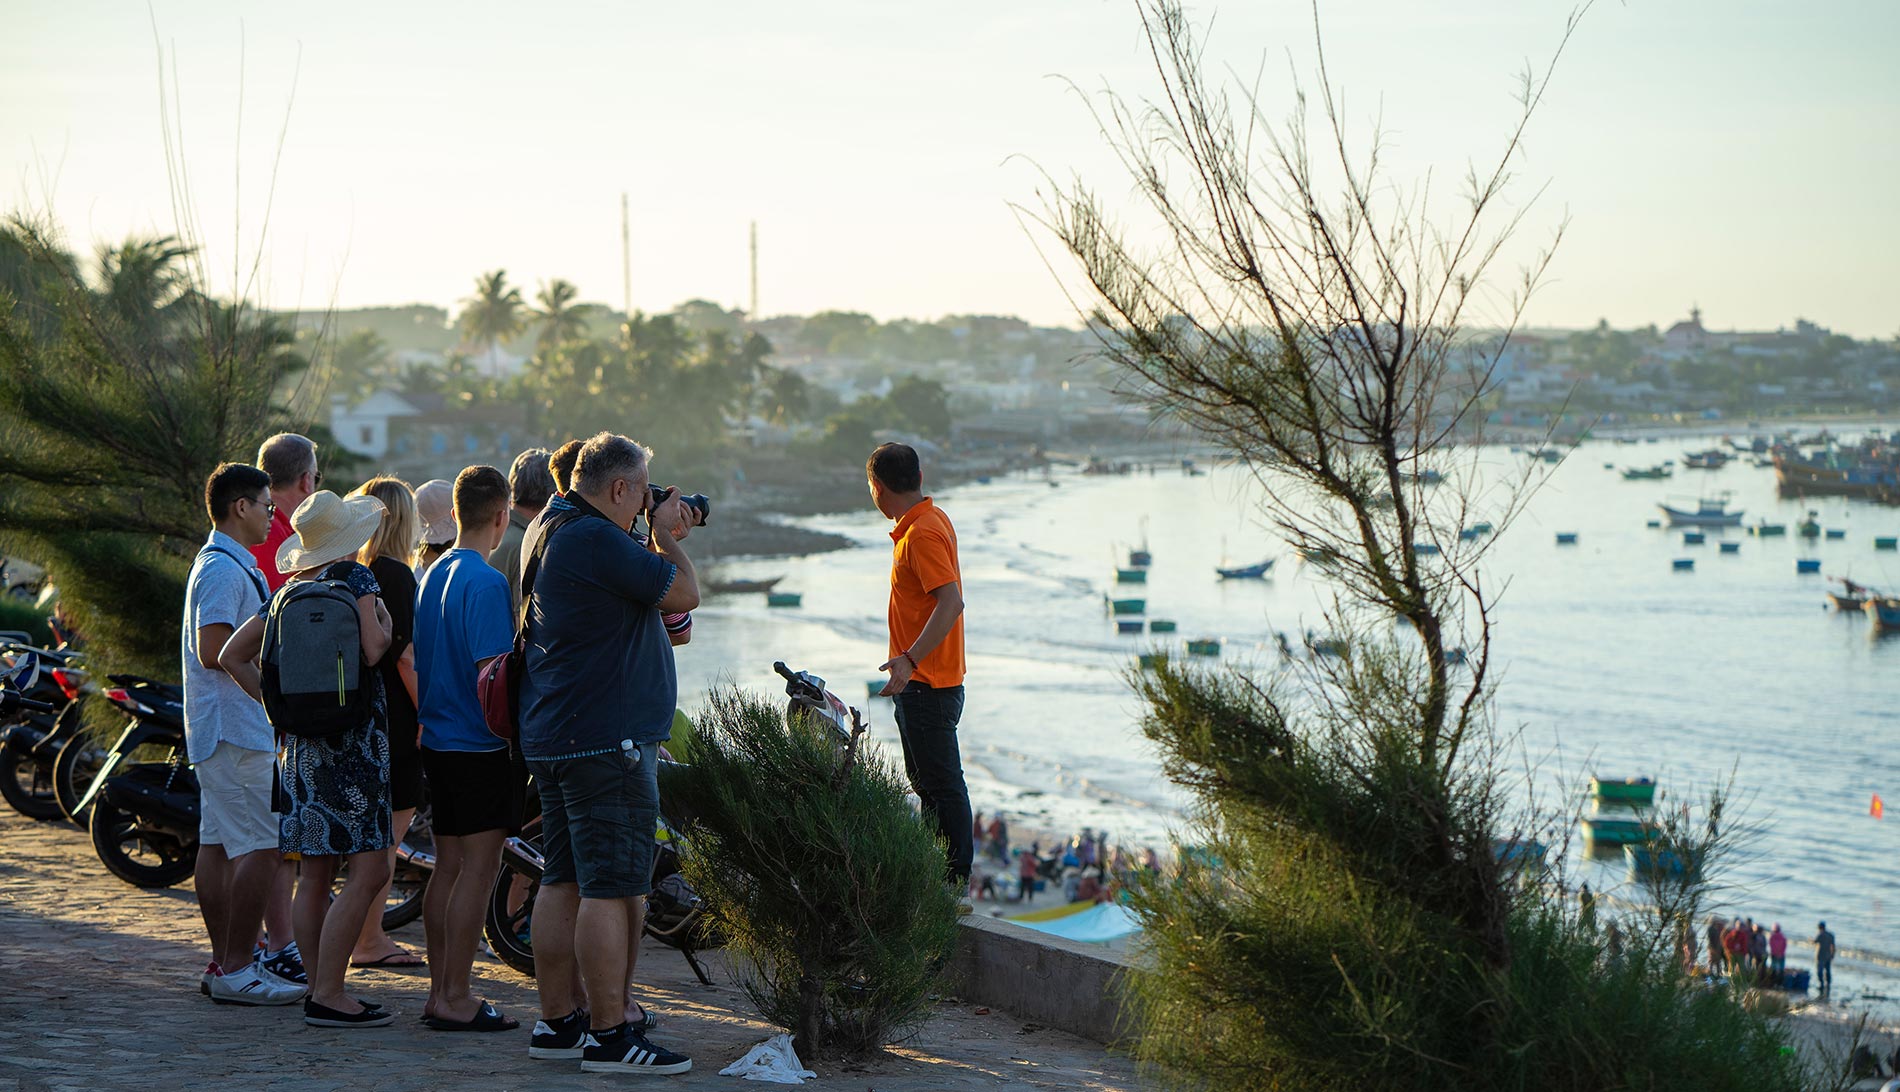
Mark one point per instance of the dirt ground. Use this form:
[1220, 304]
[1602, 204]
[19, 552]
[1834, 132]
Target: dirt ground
[99, 990]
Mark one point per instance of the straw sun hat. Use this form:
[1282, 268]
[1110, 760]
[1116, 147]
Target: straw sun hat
[328, 528]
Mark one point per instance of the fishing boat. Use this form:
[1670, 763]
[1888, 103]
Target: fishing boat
[1635, 791]
[1764, 529]
[1852, 597]
[1709, 512]
[1694, 538]
[1566, 538]
[1141, 557]
[1731, 547]
[1810, 527]
[1131, 576]
[1204, 646]
[1454, 656]
[1160, 625]
[1325, 646]
[1652, 524]
[1481, 527]
[1128, 626]
[1127, 606]
[1424, 477]
[1318, 555]
[1646, 860]
[1835, 534]
[1886, 543]
[1713, 459]
[1248, 572]
[1682, 564]
[1469, 534]
[1646, 473]
[1807, 565]
[742, 587]
[783, 599]
[1148, 660]
[1519, 852]
[1426, 549]
[1884, 610]
[874, 688]
[1617, 830]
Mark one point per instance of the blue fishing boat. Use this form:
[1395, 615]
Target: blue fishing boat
[1140, 559]
[1426, 549]
[1886, 543]
[1835, 534]
[1646, 860]
[1127, 606]
[1731, 547]
[1653, 524]
[1708, 512]
[1131, 576]
[1807, 565]
[1160, 625]
[1764, 529]
[1612, 830]
[1204, 646]
[1694, 538]
[1635, 792]
[783, 599]
[1810, 527]
[1566, 538]
[1884, 610]
[1481, 527]
[1469, 534]
[1127, 626]
[1248, 572]
[1148, 660]
[1682, 564]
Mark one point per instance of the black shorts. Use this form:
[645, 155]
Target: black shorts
[472, 791]
[405, 772]
[597, 820]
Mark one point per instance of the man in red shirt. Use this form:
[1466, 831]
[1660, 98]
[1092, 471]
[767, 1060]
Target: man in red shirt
[925, 618]
[291, 462]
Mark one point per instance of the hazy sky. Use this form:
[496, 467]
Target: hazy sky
[1740, 154]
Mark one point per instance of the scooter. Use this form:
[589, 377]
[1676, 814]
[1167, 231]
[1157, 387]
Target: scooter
[145, 813]
[676, 915]
[30, 742]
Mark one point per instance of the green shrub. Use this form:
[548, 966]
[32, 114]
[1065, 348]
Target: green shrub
[22, 616]
[827, 884]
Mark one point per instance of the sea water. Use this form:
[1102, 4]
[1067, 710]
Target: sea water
[1608, 659]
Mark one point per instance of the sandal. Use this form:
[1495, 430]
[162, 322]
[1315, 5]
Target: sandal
[487, 1018]
[399, 959]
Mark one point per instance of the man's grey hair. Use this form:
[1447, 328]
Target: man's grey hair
[529, 483]
[286, 457]
[608, 456]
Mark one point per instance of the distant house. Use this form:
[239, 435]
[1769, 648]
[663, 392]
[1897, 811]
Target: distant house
[364, 428]
[1686, 338]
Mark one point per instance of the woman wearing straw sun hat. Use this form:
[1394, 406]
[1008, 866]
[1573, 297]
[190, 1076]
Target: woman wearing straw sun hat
[334, 790]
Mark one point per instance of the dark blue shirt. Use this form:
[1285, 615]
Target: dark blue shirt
[599, 664]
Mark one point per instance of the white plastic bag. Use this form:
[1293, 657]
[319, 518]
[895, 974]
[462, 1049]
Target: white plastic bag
[773, 1060]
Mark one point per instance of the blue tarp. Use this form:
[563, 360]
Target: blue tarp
[1096, 925]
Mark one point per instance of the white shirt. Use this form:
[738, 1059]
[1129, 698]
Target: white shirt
[227, 588]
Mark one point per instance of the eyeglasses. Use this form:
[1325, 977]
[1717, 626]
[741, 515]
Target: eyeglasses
[269, 505]
[316, 479]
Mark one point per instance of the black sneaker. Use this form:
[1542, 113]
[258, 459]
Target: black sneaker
[287, 965]
[622, 1051]
[561, 1039]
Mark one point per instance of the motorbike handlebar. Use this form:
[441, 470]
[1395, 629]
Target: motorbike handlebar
[783, 671]
[11, 702]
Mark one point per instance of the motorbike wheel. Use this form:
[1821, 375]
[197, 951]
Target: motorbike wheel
[28, 785]
[142, 858]
[509, 925]
[73, 770]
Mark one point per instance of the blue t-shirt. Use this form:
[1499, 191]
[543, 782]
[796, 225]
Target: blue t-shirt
[599, 665]
[462, 618]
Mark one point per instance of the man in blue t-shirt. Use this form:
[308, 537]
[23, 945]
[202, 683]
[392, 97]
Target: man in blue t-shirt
[462, 622]
[596, 701]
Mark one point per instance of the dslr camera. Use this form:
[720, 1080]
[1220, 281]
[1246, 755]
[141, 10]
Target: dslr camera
[700, 506]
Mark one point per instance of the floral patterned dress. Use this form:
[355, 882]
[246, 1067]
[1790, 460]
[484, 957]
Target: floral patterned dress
[336, 790]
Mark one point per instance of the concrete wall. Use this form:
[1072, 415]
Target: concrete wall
[1043, 979]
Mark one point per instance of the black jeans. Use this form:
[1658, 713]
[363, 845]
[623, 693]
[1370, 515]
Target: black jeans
[927, 724]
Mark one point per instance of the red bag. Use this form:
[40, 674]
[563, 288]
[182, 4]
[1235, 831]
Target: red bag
[498, 686]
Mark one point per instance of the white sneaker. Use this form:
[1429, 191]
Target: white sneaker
[252, 987]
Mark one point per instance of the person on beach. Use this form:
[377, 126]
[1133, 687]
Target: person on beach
[388, 554]
[1758, 949]
[462, 621]
[597, 699]
[435, 506]
[336, 788]
[925, 621]
[1778, 953]
[1587, 909]
[1027, 868]
[1823, 959]
[529, 486]
[1716, 961]
[1735, 947]
[230, 744]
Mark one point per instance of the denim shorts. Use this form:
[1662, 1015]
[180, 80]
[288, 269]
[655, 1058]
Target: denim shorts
[597, 818]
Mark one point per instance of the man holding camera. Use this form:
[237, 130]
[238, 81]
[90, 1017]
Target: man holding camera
[926, 645]
[597, 699]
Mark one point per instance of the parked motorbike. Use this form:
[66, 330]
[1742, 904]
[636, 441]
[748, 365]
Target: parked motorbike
[30, 739]
[144, 799]
[676, 915]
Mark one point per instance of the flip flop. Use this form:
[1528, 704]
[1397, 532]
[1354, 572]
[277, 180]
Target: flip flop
[487, 1018]
[392, 960]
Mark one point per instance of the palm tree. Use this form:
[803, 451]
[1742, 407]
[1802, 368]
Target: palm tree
[492, 314]
[558, 318]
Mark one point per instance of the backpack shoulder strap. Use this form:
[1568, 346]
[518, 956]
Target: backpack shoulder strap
[533, 568]
[257, 577]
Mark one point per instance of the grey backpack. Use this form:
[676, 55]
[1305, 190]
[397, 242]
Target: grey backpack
[315, 682]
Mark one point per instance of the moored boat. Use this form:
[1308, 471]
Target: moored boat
[742, 587]
[1204, 646]
[1852, 597]
[1131, 576]
[1807, 565]
[1682, 564]
[1835, 534]
[1635, 791]
[1566, 538]
[1886, 543]
[1884, 610]
[1127, 606]
[1694, 538]
[1249, 572]
[1127, 626]
[1731, 547]
[1613, 830]
[1160, 625]
[1709, 512]
[1644, 860]
[1713, 459]
[783, 599]
[1810, 527]
[1764, 529]
[1646, 473]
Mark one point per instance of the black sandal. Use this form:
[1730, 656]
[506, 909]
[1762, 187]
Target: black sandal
[322, 1016]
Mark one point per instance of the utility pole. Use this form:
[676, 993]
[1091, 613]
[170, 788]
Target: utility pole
[752, 313]
[626, 261]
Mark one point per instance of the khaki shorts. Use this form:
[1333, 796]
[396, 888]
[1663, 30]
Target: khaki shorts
[234, 800]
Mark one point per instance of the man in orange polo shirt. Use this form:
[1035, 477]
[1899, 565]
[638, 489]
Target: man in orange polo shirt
[926, 645]
[291, 462]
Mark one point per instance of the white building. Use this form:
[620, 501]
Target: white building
[364, 428]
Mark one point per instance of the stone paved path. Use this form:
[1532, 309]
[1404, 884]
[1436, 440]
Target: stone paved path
[98, 990]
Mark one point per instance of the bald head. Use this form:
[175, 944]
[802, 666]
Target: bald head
[291, 462]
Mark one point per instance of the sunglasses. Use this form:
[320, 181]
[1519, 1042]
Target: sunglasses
[269, 506]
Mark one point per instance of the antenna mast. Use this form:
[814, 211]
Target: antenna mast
[752, 313]
[626, 261]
